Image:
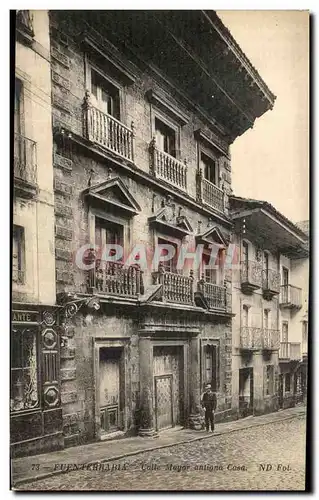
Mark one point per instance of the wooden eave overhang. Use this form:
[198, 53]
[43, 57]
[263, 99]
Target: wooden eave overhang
[196, 52]
[270, 229]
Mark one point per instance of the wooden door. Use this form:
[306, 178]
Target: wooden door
[164, 401]
[109, 388]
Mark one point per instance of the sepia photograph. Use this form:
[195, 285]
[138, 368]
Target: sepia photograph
[160, 240]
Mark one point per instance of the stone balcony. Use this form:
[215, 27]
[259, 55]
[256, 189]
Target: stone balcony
[25, 166]
[270, 283]
[168, 168]
[250, 276]
[210, 194]
[215, 295]
[106, 131]
[115, 279]
[176, 288]
[290, 351]
[290, 297]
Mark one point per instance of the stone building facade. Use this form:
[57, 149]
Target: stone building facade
[142, 121]
[267, 301]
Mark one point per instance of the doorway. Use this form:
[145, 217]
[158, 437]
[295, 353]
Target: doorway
[168, 386]
[246, 391]
[110, 384]
[281, 390]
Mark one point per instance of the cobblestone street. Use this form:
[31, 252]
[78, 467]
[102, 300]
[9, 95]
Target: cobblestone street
[226, 462]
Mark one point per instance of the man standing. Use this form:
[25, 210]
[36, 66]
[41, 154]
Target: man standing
[209, 402]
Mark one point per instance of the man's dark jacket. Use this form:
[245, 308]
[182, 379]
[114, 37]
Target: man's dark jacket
[209, 401]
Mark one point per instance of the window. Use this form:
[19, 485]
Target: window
[24, 372]
[284, 332]
[209, 168]
[266, 319]
[106, 94]
[245, 316]
[305, 332]
[168, 265]
[165, 137]
[269, 380]
[108, 233]
[285, 276]
[287, 382]
[211, 366]
[213, 271]
[18, 260]
[18, 106]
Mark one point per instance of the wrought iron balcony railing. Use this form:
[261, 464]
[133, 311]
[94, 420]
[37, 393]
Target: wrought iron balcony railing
[168, 168]
[113, 278]
[215, 295]
[107, 131]
[251, 338]
[250, 275]
[176, 288]
[270, 283]
[290, 296]
[25, 159]
[290, 351]
[270, 339]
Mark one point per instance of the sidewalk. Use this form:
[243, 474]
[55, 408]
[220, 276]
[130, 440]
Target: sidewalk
[106, 451]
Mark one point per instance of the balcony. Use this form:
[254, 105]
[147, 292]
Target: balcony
[290, 297]
[176, 288]
[214, 295]
[250, 338]
[290, 351]
[270, 339]
[270, 283]
[209, 194]
[115, 279]
[106, 131]
[25, 166]
[167, 168]
[250, 276]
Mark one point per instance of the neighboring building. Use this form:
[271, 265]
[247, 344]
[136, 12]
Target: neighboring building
[300, 276]
[36, 420]
[134, 93]
[270, 293]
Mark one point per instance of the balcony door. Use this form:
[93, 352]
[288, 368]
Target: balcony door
[170, 266]
[209, 168]
[106, 95]
[213, 271]
[284, 333]
[266, 268]
[285, 288]
[165, 138]
[108, 233]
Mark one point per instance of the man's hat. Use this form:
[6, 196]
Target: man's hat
[208, 386]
